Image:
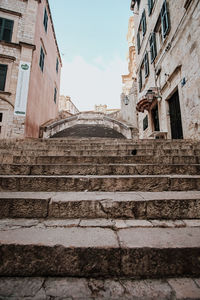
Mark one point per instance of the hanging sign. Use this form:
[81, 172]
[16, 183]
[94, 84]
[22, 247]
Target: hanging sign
[22, 88]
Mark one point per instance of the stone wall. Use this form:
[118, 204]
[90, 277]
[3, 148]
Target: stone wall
[176, 66]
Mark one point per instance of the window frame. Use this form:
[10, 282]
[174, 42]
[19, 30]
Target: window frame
[55, 95]
[146, 64]
[143, 23]
[45, 20]
[165, 24]
[57, 64]
[153, 46]
[3, 83]
[3, 28]
[140, 79]
[145, 122]
[42, 59]
[150, 6]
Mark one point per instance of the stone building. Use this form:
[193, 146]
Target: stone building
[105, 110]
[129, 88]
[66, 105]
[168, 68]
[30, 67]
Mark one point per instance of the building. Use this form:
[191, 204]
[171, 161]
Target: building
[30, 66]
[168, 68]
[66, 105]
[105, 110]
[129, 90]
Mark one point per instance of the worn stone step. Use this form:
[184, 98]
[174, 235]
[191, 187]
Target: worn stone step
[100, 152]
[106, 183]
[57, 159]
[99, 169]
[103, 252]
[43, 288]
[92, 205]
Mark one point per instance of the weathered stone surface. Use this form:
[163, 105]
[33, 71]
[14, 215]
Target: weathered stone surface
[185, 288]
[18, 205]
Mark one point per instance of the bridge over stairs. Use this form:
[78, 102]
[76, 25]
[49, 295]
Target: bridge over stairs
[99, 219]
[88, 124]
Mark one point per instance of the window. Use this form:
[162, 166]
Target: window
[140, 80]
[150, 6]
[164, 19]
[1, 117]
[55, 94]
[45, 21]
[143, 23]
[6, 29]
[138, 42]
[145, 123]
[57, 65]
[42, 56]
[153, 48]
[3, 73]
[146, 65]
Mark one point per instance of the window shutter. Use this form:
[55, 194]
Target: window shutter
[3, 73]
[144, 23]
[146, 64]
[153, 48]
[164, 19]
[55, 94]
[140, 80]
[138, 42]
[41, 62]
[45, 21]
[150, 6]
[6, 29]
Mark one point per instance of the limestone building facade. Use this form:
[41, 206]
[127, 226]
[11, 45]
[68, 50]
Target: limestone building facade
[168, 68]
[129, 88]
[66, 105]
[30, 66]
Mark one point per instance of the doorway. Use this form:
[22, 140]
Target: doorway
[155, 118]
[175, 117]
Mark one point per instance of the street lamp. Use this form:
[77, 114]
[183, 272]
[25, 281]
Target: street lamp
[126, 100]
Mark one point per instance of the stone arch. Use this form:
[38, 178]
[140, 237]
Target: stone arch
[88, 118]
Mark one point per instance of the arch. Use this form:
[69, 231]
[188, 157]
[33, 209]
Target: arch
[88, 118]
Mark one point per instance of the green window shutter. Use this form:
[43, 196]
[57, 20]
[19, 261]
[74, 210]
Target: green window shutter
[3, 73]
[138, 42]
[45, 21]
[144, 23]
[146, 64]
[153, 47]
[55, 94]
[57, 65]
[150, 6]
[140, 80]
[42, 57]
[6, 29]
[164, 19]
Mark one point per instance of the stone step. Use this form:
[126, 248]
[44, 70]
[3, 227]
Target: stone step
[59, 159]
[42, 288]
[106, 183]
[99, 152]
[93, 205]
[100, 169]
[136, 252]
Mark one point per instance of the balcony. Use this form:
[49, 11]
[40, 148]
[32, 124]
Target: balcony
[146, 100]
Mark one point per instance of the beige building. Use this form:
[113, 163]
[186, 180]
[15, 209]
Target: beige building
[30, 66]
[168, 67]
[105, 110]
[129, 89]
[66, 105]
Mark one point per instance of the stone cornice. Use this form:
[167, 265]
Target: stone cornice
[11, 12]
[19, 45]
[7, 57]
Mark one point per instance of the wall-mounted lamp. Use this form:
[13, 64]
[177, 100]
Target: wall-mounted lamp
[126, 100]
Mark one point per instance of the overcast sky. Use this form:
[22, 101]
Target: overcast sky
[92, 39]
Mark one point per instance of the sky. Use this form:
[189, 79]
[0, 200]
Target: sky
[91, 35]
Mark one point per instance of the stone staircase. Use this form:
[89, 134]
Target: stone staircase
[99, 219]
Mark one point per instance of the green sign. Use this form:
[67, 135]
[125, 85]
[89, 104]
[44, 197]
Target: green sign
[25, 67]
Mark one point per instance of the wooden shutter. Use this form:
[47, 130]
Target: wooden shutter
[153, 47]
[144, 23]
[138, 41]
[146, 64]
[3, 73]
[164, 19]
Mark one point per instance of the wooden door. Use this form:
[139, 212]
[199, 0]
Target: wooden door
[175, 117]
